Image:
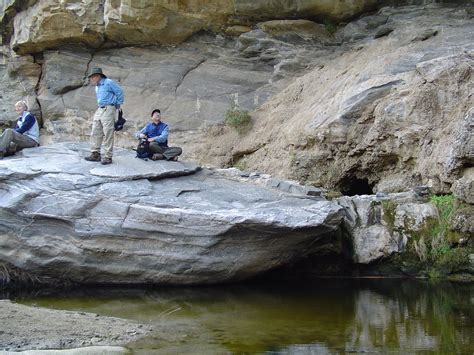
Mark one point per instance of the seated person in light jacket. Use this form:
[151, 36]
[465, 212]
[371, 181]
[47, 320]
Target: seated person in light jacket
[157, 134]
[24, 135]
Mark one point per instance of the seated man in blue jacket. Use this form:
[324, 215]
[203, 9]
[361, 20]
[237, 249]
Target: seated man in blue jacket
[157, 134]
[24, 135]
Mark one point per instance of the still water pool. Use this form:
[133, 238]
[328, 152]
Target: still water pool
[333, 316]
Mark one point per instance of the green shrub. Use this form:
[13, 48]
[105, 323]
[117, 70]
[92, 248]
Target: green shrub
[241, 165]
[389, 208]
[239, 119]
[433, 247]
[455, 259]
[446, 206]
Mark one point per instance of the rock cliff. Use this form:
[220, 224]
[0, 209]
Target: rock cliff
[340, 98]
[389, 113]
[42, 24]
[377, 104]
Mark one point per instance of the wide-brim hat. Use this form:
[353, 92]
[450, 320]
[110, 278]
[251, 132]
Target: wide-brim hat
[96, 71]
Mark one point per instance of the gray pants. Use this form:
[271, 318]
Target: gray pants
[20, 141]
[103, 130]
[168, 152]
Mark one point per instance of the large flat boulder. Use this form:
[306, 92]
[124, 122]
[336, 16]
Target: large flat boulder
[146, 222]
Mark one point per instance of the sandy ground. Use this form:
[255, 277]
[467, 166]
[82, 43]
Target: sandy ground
[26, 328]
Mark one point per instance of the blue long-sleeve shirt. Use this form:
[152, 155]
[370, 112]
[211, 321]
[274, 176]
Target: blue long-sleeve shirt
[108, 92]
[157, 131]
[26, 124]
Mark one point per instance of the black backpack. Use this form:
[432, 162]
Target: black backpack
[120, 121]
[143, 148]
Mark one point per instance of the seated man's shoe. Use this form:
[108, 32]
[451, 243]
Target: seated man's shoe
[157, 156]
[93, 157]
[106, 161]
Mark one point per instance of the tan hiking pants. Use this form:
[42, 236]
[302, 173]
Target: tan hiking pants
[103, 130]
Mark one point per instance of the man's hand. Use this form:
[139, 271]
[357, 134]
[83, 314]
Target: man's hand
[142, 135]
[151, 140]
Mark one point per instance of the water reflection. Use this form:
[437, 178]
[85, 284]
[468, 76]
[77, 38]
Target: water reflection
[325, 316]
[422, 2]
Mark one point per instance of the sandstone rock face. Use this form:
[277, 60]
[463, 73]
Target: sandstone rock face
[19, 77]
[195, 83]
[165, 22]
[192, 86]
[145, 222]
[386, 101]
[302, 8]
[50, 24]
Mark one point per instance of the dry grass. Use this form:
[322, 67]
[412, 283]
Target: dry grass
[10, 274]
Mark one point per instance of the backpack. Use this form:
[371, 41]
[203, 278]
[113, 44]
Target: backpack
[143, 149]
[120, 121]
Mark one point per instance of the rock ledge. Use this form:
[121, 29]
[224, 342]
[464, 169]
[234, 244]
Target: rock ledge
[64, 218]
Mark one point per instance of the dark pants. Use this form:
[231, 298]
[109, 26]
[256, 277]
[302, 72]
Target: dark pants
[168, 152]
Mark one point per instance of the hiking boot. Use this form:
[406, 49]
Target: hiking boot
[106, 161]
[157, 156]
[95, 156]
[11, 150]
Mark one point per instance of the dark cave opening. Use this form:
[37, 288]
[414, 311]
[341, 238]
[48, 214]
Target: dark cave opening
[352, 186]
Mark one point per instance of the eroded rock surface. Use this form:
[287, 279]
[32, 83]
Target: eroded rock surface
[128, 223]
[389, 112]
[385, 100]
[48, 24]
[381, 225]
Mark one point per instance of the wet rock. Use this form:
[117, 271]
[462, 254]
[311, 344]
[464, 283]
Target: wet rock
[380, 226]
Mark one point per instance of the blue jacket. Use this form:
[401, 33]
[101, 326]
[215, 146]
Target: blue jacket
[108, 93]
[157, 131]
[26, 124]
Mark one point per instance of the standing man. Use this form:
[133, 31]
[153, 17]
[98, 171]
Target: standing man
[109, 98]
[156, 132]
[25, 134]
